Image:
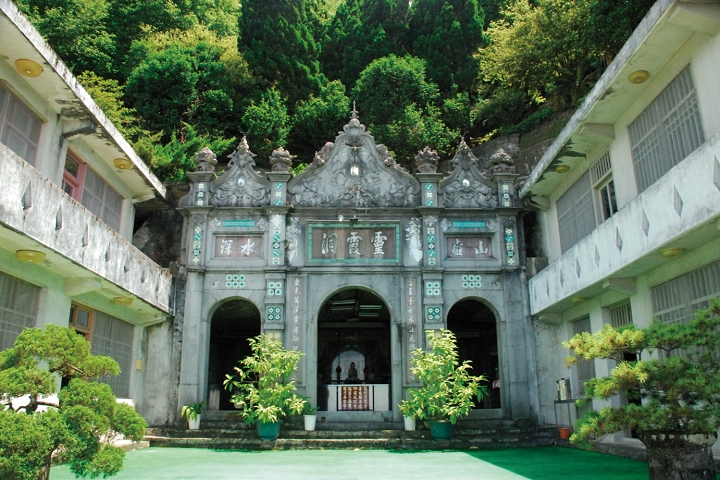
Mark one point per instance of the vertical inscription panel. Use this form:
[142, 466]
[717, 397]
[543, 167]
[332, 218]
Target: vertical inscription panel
[411, 326]
[295, 320]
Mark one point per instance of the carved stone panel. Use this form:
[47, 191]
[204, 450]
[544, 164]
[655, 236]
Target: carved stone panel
[468, 247]
[467, 186]
[238, 246]
[359, 243]
[240, 185]
[354, 172]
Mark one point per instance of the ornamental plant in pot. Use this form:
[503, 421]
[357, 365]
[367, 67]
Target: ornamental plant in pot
[262, 386]
[309, 416]
[679, 386]
[193, 413]
[448, 391]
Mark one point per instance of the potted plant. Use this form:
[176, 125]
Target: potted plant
[679, 388]
[264, 391]
[411, 409]
[448, 390]
[309, 416]
[193, 413]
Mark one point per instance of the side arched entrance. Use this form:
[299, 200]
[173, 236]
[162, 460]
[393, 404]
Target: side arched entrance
[231, 325]
[475, 327]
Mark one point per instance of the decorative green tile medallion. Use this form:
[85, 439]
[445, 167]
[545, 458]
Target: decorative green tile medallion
[274, 314]
[433, 314]
[432, 289]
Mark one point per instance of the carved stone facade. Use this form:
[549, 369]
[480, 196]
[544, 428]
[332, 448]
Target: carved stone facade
[240, 185]
[351, 248]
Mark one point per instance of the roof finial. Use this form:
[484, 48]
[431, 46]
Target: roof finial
[354, 113]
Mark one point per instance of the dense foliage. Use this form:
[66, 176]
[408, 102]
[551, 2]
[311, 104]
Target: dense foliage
[679, 387]
[262, 384]
[78, 426]
[448, 390]
[285, 72]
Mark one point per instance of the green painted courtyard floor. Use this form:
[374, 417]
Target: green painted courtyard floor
[510, 464]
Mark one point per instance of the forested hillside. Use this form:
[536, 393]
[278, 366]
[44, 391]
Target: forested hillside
[176, 75]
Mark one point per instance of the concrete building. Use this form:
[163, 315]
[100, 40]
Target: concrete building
[68, 185]
[628, 196]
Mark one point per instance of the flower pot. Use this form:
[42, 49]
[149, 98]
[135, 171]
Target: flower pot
[564, 433]
[194, 423]
[672, 455]
[310, 422]
[409, 423]
[268, 432]
[441, 430]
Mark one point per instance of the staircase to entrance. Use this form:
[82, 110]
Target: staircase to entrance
[226, 430]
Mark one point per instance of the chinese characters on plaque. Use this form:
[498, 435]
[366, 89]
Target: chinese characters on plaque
[354, 398]
[243, 247]
[468, 247]
[295, 319]
[411, 328]
[355, 243]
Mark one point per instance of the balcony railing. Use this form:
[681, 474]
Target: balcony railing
[37, 208]
[683, 200]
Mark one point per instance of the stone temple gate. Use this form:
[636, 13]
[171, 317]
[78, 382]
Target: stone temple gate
[350, 262]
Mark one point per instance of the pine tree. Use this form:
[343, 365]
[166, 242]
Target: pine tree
[279, 47]
[447, 34]
[360, 32]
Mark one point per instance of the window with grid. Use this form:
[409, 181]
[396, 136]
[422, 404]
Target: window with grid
[677, 301]
[101, 199]
[19, 126]
[621, 316]
[666, 132]
[576, 217]
[18, 308]
[585, 369]
[601, 174]
[114, 338]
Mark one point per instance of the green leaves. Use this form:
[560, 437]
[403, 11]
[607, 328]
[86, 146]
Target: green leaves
[262, 386]
[447, 34]
[542, 50]
[79, 429]
[318, 119]
[171, 161]
[448, 391]
[276, 41]
[267, 124]
[679, 388]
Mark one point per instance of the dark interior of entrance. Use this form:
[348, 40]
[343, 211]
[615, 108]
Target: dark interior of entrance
[475, 328]
[353, 341]
[232, 324]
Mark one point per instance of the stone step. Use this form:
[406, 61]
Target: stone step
[344, 434]
[331, 439]
[402, 443]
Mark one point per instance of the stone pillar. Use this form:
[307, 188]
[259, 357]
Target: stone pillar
[191, 364]
[507, 196]
[195, 329]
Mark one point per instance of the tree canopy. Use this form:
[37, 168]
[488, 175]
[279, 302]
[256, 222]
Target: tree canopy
[78, 427]
[280, 70]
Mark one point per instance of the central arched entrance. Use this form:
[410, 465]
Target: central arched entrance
[475, 327]
[232, 324]
[354, 350]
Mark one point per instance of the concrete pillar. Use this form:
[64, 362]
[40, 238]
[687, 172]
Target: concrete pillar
[190, 375]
